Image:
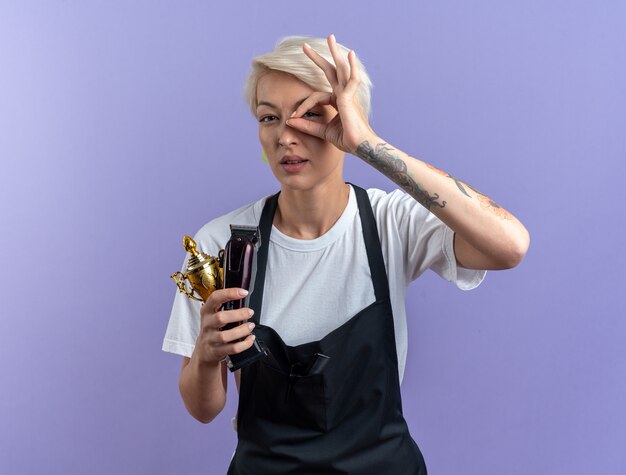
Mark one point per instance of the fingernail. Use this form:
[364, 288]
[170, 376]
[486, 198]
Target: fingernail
[253, 337]
[292, 114]
[332, 36]
[250, 311]
[243, 292]
[251, 326]
[307, 45]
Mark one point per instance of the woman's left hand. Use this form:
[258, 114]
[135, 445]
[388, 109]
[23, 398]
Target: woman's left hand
[349, 128]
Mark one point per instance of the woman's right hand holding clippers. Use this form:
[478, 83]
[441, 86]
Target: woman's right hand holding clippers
[213, 343]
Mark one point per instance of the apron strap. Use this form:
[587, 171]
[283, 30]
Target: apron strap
[265, 226]
[372, 244]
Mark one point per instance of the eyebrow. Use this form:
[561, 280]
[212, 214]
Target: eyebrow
[295, 104]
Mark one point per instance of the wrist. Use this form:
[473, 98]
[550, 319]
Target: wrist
[202, 364]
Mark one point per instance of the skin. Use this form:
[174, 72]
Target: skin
[322, 127]
[312, 200]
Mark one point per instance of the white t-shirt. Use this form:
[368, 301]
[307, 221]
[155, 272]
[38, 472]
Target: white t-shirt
[314, 286]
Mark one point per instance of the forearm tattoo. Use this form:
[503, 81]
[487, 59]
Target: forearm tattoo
[484, 200]
[393, 167]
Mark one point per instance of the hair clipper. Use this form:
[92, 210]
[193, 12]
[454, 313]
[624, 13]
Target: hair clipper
[239, 267]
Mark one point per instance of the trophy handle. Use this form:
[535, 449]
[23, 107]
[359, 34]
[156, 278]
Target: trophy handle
[181, 286]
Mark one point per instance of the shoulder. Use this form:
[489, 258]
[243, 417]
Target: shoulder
[213, 235]
[395, 205]
[380, 198]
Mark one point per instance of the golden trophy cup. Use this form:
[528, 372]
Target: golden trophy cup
[204, 273]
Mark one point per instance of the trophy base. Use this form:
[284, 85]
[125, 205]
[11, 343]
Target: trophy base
[245, 358]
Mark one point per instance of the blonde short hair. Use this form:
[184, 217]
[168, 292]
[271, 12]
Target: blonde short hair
[288, 57]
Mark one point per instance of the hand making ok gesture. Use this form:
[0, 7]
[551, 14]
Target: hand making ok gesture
[350, 127]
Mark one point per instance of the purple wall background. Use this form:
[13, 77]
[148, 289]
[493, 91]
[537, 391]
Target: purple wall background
[116, 121]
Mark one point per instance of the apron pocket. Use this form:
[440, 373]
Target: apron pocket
[291, 399]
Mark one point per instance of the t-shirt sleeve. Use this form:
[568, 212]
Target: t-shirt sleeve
[425, 241]
[184, 323]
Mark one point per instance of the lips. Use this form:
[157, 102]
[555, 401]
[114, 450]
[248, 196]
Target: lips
[292, 159]
[293, 163]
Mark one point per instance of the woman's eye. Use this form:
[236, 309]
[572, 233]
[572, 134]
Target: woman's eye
[310, 114]
[267, 118]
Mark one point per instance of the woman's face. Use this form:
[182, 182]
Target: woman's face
[299, 161]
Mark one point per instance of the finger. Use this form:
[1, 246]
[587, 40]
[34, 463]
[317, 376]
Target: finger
[308, 127]
[221, 296]
[315, 99]
[240, 346]
[343, 72]
[328, 68]
[223, 351]
[355, 75]
[233, 335]
[224, 317]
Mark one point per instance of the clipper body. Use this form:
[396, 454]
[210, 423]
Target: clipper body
[239, 269]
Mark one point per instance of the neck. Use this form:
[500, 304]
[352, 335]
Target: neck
[308, 214]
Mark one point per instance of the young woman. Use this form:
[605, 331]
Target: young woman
[330, 307]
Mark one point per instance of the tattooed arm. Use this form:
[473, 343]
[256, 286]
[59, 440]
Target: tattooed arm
[486, 235]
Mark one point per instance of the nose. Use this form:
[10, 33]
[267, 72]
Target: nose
[287, 136]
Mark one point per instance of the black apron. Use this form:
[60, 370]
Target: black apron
[330, 406]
